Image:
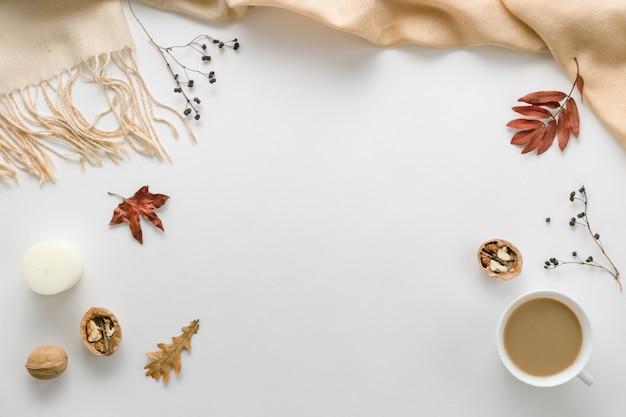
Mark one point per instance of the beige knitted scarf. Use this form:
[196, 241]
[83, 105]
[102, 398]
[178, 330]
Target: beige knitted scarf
[48, 46]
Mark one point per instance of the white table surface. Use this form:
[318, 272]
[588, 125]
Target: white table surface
[324, 230]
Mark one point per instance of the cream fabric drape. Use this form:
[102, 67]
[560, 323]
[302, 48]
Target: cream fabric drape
[43, 38]
[47, 46]
[592, 31]
[54, 42]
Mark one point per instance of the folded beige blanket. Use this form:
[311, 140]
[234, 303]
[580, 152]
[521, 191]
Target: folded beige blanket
[89, 38]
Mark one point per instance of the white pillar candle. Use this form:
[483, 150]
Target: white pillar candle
[52, 267]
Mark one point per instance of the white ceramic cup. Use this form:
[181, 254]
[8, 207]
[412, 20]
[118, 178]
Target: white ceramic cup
[576, 369]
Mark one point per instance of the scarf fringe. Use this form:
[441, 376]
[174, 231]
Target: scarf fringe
[37, 122]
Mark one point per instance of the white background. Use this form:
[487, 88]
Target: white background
[324, 230]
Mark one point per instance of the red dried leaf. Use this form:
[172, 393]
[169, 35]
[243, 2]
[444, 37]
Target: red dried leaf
[542, 125]
[532, 111]
[522, 137]
[580, 83]
[543, 97]
[535, 140]
[548, 137]
[552, 104]
[142, 203]
[573, 116]
[562, 129]
[525, 124]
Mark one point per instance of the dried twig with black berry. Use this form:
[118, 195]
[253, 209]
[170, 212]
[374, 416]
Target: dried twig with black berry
[181, 73]
[582, 219]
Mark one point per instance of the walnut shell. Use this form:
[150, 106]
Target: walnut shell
[100, 331]
[500, 259]
[46, 362]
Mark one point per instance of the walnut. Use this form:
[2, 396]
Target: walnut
[100, 331]
[500, 259]
[46, 362]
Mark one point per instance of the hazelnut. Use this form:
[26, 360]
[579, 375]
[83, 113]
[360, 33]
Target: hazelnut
[46, 362]
[100, 331]
[500, 259]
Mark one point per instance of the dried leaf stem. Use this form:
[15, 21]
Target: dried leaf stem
[578, 82]
[582, 219]
[184, 83]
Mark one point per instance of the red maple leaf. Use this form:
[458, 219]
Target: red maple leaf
[142, 203]
[547, 115]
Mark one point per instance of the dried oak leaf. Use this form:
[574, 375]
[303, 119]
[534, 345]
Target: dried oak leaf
[142, 203]
[169, 355]
[547, 115]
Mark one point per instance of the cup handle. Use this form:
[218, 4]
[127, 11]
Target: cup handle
[586, 377]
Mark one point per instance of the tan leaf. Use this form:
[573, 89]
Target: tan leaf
[543, 97]
[532, 111]
[169, 355]
[548, 137]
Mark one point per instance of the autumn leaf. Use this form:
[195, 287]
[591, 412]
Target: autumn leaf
[142, 203]
[548, 138]
[522, 137]
[543, 97]
[523, 124]
[536, 139]
[579, 83]
[547, 115]
[562, 130]
[532, 111]
[169, 356]
[574, 118]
